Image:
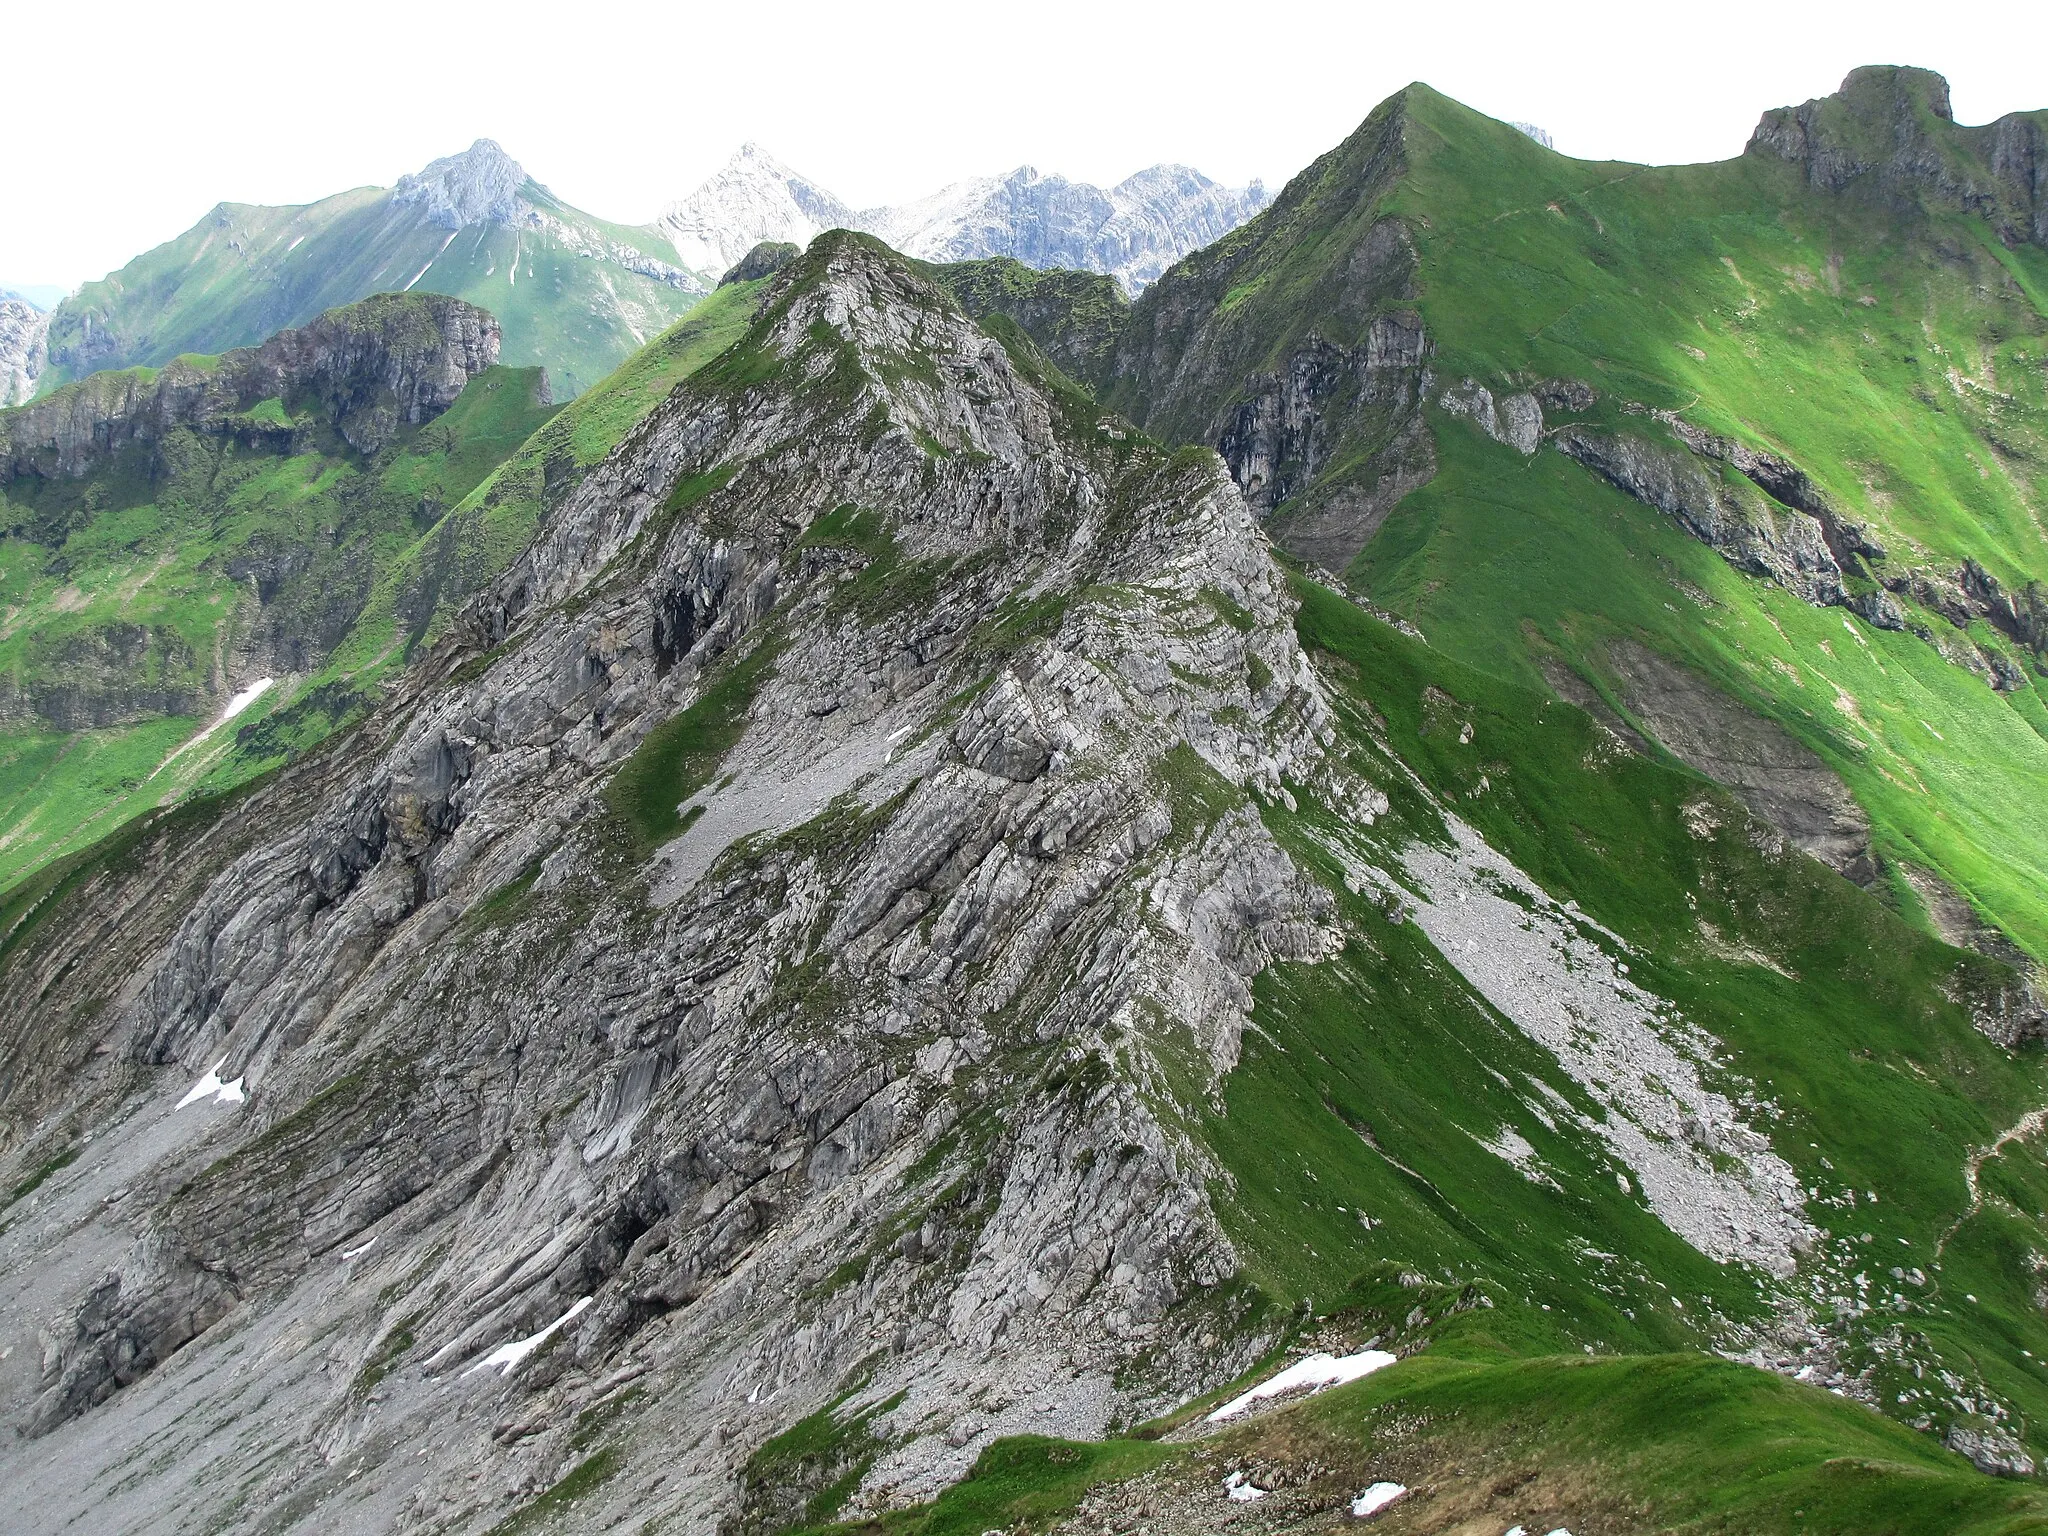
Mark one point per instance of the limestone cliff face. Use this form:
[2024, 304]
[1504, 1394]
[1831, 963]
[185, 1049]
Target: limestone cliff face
[24, 349]
[1891, 130]
[870, 1067]
[482, 185]
[368, 369]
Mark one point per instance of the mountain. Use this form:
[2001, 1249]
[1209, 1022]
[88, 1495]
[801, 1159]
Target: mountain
[752, 199]
[1816, 397]
[575, 294]
[183, 546]
[41, 295]
[1133, 231]
[962, 920]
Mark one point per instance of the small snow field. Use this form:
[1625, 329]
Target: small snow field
[211, 1087]
[509, 1357]
[1242, 1489]
[1312, 1373]
[1375, 1499]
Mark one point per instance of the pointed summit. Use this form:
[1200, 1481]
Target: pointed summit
[753, 198]
[482, 185]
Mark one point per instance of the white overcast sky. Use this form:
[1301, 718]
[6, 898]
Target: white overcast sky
[130, 120]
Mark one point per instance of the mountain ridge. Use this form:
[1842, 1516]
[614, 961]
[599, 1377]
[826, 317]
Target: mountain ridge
[897, 935]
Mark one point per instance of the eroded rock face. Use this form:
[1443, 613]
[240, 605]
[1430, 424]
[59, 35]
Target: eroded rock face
[1781, 781]
[1779, 543]
[869, 1080]
[369, 368]
[1891, 129]
[482, 185]
[23, 349]
[1515, 420]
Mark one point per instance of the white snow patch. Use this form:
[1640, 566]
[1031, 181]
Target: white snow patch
[509, 1357]
[244, 699]
[236, 705]
[211, 1087]
[1512, 1147]
[1375, 1499]
[294, 245]
[349, 1254]
[1311, 1373]
[1242, 1489]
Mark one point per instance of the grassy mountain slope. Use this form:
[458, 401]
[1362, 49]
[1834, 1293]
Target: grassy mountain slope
[164, 582]
[397, 544]
[1737, 296]
[1485, 1444]
[245, 271]
[1871, 311]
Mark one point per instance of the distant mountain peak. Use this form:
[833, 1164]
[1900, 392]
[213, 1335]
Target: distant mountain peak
[752, 198]
[482, 185]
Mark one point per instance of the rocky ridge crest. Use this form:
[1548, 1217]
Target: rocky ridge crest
[367, 369]
[1021, 891]
[1892, 128]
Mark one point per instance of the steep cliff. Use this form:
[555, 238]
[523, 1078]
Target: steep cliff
[365, 371]
[184, 546]
[22, 349]
[1889, 134]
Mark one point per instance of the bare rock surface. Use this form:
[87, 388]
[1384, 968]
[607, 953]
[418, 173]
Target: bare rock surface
[1782, 781]
[486, 1077]
[369, 368]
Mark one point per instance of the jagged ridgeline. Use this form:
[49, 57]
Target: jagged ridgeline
[885, 953]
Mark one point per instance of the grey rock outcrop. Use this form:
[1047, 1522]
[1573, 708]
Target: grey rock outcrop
[1515, 420]
[1776, 542]
[1781, 781]
[23, 349]
[1991, 1448]
[391, 360]
[482, 185]
[764, 260]
[1890, 131]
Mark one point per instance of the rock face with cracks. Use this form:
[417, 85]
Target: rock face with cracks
[874, 1084]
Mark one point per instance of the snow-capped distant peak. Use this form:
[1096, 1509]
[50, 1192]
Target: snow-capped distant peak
[482, 185]
[1134, 230]
[752, 198]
